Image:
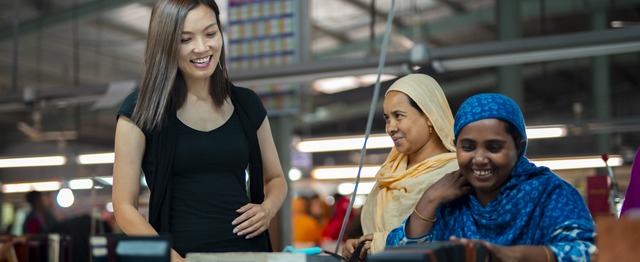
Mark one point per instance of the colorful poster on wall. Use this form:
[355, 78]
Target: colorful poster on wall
[262, 34]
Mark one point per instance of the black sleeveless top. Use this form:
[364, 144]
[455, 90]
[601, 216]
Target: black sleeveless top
[208, 183]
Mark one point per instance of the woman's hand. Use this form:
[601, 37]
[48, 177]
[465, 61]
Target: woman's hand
[253, 220]
[350, 246]
[450, 187]
[503, 253]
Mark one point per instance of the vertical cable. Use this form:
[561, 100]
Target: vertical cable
[372, 25]
[372, 110]
[16, 31]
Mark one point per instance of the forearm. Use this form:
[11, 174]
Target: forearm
[275, 192]
[132, 222]
[421, 220]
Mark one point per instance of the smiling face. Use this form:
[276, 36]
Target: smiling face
[200, 44]
[486, 154]
[407, 126]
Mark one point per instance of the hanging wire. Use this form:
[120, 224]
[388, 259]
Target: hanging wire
[16, 32]
[372, 109]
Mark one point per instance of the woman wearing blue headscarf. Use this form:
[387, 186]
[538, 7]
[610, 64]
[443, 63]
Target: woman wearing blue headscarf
[518, 211]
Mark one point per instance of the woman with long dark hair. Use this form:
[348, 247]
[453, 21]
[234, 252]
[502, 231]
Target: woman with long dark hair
[194, 134]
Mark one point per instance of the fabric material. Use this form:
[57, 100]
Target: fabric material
[428, 94]
[399, 188]
[206, 162]
[530, 209]
[158, 159]
[632, 196]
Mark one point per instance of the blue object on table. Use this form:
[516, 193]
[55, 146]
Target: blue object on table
[308, 251]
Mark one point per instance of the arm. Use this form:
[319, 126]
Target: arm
[255, 219]
[129, 149]
[448, 188]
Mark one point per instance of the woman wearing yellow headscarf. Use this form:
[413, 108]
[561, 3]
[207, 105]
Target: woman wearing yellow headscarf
[420, 123]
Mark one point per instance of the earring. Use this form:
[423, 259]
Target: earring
[430, 129]
[219, 65]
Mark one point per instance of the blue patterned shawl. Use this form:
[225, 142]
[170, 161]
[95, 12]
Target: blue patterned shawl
[534, 207]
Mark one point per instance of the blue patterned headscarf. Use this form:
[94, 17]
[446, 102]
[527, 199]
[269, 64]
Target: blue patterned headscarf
[484, 106]
[530, 209]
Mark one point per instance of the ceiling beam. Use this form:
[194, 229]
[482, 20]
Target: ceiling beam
[396, 21]
[57, 17]
[342, 38]
[485, 16]
[455, 6]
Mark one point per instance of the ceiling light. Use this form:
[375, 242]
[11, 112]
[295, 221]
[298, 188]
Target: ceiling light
[33, 161]
[344, 143]
[350, 172]
[546, 132]
[85, 183]
[295, 174]
[577, 162]
[370, 79]
[339, 84]
[26, 187]
[100, 158]
[65, 197]
[343, 172]
[364, 188]
[335, 84]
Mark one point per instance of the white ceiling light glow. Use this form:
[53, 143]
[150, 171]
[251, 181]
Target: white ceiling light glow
[339, 84]
[33, 161]
[99, 158]
[344, 172]
[345, 143]
[331, 144]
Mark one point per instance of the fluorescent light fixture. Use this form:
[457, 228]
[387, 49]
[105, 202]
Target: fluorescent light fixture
[364, 188]
[560, 163]
[577, 162]
[334, 85]
[99, 158]
[26, 187]
[84, 183]
[75, 184]
[344, 172]
[344, 143]
[370, 79]
[546, 132]
[33, 161]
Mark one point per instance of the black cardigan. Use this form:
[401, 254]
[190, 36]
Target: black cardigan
[157, 164]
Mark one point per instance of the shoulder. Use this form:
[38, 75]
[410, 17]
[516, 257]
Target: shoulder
[246, 94]
[129, 104]
[251, 102]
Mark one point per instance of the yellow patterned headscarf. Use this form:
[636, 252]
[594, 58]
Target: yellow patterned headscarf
[399, 188]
